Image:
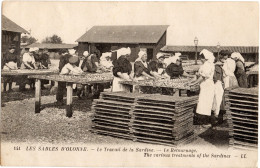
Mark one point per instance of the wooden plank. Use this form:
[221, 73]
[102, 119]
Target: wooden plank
[114, 134]
[105, 113]
[111, 124]
[112, 118]
[252, 117]
[37, 108]
[238, 103]
[246, 132]
[244, 120]
[245, 128]
[241, 101]
[123, 104]
[109, 121]
[244, 139]
[240, 109]
[69, 111]
[126, 109]
[98, 126]
[246, 136]
[114, 111]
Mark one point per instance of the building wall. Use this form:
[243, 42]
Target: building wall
[82, 47]
[161, 43]
[11, 38]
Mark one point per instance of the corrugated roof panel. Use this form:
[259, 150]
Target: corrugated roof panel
[241, 49]
[124, 34]
[51, 46]
[9, 25]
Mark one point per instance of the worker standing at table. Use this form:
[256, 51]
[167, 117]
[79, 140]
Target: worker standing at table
[90, 64]
[157, 66]
[218, 103]
[9, 62]
[175, 70]
[28, 62]
[229, 68]
[141, 71]
[240, 71]
[64, 59]
[207, 87]
[122, 70]
[105, 61]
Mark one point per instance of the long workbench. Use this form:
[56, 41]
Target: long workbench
[176, 84]
[85, 78]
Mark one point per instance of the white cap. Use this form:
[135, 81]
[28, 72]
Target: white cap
[72, 51]
[36, 49]
[123, 51]
[31, 50]
[208, 55]
[85, 53]
[177, 54]
[158, 55]
[238, 56]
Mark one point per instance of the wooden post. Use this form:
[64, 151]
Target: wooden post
[177, 93]
[69, 100]
[37, 96]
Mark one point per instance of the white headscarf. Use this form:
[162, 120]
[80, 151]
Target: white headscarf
[238, 56]
[177, 54]
[123, 51]
[174, 59]
[104, 55]
[158, 55]
[36, 49]
[140, 54]
[208, 55]
[31, 50]
[72, 51]
[85, 53]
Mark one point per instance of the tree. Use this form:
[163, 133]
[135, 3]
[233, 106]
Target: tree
[28, 39]
[53, 39]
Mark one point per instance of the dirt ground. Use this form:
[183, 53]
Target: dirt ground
[19, 123]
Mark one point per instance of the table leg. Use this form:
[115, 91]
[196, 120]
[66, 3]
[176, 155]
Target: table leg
[177, 93]
[37, 96]
[69, 100]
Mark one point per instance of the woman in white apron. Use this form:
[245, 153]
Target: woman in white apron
[207, 86]
[229, 68]
[121, 70]
[141, 71]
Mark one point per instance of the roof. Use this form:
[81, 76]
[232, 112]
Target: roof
[51, 46]
[240, 49]
[124, 34]
[9, 25]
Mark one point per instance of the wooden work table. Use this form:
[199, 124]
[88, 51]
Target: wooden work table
[85, 78]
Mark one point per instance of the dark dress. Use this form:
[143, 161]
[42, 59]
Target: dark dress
[139, 68]
[8, 57]
[45, 60]
[154, 66]
[240, 74]
[89, 64]
[121, 65]
[64, 59]
[174, 71]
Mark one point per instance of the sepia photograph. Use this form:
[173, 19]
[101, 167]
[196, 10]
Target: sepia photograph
[129, 84]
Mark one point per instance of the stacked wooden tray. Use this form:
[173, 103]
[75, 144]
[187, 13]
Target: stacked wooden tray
[164, 119]
[145, 117]
[242, 113]
[113, 114]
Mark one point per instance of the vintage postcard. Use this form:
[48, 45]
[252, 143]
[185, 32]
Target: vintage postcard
[129, 84]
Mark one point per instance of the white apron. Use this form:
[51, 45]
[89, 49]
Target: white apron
[218, 96]
[117, 86]
[206, 97]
